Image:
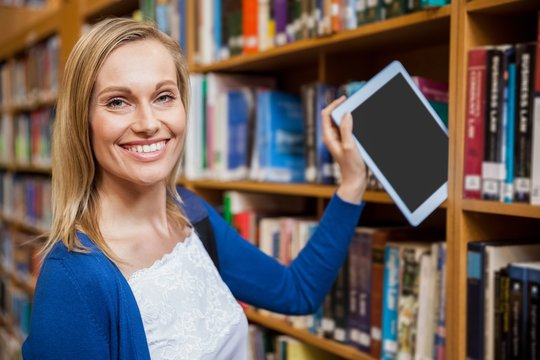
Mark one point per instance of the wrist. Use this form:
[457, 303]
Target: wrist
[352, 191]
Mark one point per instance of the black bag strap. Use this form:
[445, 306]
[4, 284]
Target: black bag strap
[198, 216]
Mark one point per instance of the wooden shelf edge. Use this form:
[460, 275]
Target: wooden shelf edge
[500, 208]
[29, 169]
[329, 41]
[27, 286]
[22, 226]
[333, 347]
[313, 190]
[40, 26]
[484, 5]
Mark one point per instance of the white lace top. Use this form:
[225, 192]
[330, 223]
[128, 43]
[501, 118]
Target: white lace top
[187, 310]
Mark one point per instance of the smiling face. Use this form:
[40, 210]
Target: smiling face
[137, 116]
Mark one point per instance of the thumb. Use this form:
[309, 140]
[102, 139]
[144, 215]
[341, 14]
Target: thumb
[345, 129]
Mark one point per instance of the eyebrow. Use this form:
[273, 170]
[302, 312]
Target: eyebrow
[128, 91]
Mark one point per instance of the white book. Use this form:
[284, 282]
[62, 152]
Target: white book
[535, 158]
[426, 304]
[193, 166]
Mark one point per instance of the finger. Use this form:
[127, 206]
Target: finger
[329, 108]
[345, 129]
[327, 124]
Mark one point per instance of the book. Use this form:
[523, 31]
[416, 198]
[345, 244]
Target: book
[509, 108]
[390, 301]
[535, 159]
[524, 116]
[279, 141]
[524, 282]
[408, 302]
[484, 258]
[493, 165]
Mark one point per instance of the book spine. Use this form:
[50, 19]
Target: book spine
[250, 26]
[475, 302]
[390, 302]
[524, 95]
[516, 317]
[474, 127]
[377, 280]
[340, 304]
[492, 166]
[533, 343]
[502, 314]
[365, 287]
[509, 105]
[535, 160]
[308, 104]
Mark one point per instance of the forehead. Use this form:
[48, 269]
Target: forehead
[136, 61]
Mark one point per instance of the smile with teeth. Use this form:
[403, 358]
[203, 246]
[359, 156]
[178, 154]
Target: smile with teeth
[144, 149]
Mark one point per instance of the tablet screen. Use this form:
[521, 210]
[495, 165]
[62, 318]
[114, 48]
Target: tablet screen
[411, 151]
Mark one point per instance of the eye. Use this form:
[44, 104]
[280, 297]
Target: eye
[116, 103]
[166, 97]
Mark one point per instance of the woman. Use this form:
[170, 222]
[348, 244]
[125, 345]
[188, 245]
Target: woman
[125, 275]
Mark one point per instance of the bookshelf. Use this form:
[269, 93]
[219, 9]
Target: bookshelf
[431, 42]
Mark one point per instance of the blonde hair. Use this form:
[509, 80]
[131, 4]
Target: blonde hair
[74, 168]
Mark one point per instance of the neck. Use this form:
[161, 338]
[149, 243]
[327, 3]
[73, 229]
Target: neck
[126, 209]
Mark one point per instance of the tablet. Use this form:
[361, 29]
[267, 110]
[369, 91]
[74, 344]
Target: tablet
[402, 140]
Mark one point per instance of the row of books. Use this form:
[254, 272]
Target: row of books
[502, 299]
[19, 255]
[26, 139]
[242, 128]
[230, 27]
[15, 309]
[389, 298]
[502, 134]
[26, 199]
[32, 76]
[169, 16]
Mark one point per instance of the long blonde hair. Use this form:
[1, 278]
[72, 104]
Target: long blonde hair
[74, 168]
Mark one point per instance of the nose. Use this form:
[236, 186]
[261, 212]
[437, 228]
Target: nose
[146, 121]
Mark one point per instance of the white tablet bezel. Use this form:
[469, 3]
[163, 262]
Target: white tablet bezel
[371, 87]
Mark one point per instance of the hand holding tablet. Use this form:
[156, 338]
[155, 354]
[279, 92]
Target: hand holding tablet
[402, 140]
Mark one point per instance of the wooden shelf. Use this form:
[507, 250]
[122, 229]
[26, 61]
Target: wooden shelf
[22, 226]
[312, 190]
[331, 346]
[27, 286]
[40, 101]
[29, 169]
[502, 6]
[431, 26]
[500, 208]
[19, 35]
[103, 8]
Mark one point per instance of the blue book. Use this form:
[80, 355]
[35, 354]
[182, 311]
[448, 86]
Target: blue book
[240, 107]
[510, 135]
[280, 137]
[183, 18]
[390, 302]
[524, 281]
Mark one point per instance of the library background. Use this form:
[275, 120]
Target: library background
[464, 284]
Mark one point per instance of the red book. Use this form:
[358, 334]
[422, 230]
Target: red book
[250, 15]
[474, 124]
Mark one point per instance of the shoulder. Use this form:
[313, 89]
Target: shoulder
[90, 271]
[195, 207]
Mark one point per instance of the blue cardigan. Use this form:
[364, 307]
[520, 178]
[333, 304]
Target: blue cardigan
[84, 308]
